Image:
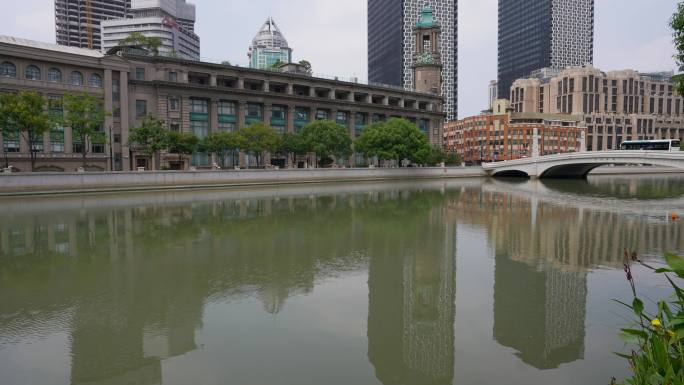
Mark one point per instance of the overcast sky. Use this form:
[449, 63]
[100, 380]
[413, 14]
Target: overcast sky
[331, 34]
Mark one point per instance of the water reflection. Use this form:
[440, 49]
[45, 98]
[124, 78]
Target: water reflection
[130, 283]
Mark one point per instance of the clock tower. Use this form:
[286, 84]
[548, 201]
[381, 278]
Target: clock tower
[427, 61]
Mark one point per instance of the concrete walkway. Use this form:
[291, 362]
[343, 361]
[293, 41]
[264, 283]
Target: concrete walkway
[69, 183]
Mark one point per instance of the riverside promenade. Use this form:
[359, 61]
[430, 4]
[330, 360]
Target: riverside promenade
[96, 182]
[55, 183]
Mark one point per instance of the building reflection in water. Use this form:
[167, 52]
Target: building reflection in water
[130, 284]
[412, 293]
[543, 252]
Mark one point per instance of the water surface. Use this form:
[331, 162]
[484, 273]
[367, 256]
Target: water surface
[459, 282]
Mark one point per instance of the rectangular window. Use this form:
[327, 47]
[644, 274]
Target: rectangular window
[140, 108]
[572, 85]
[199, 106]
[98, 148]
[255, 111]
[226, 127]
[173, 76]
[116, 90]
[322, 115]
[227, 108]
[341, 118]
[174, 104]
[174, 127]
[140, 73]
[57, 139]
[199, 128]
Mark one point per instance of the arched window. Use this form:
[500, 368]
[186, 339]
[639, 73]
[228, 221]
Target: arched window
[96, 80]
[76, 78]
[55, 75]
[32, 73]
[8, 70]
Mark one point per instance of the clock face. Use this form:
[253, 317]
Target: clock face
[425, 58]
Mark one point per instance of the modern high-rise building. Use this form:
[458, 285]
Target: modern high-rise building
[78, 21]
[392, 44]
[535, 34]
[172, 21]
[269, 47]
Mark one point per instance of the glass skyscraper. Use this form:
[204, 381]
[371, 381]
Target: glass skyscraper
[269, 47]
[391, 44]
[77, 22]
[536, 34]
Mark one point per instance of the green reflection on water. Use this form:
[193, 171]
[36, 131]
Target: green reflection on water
[129, 277]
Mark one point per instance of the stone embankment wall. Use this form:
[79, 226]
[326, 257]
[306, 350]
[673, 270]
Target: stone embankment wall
[63, 183]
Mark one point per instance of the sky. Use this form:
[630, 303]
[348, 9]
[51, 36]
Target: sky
[331, 34]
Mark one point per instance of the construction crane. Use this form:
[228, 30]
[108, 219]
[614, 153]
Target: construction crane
[89, 23]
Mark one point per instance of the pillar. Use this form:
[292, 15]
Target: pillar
[535, 143]
[312, 92]
[242, 109]
[290, 89]
[213, 115]
[268, 113]
[241, 83]
[212, 80]
[125, 122]
[109, 118]
[290, 118]
[267, 86]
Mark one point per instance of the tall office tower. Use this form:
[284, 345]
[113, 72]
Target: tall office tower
[78, 21]
[172, 21]
[535, 34]
[269, 47]
[392, 45]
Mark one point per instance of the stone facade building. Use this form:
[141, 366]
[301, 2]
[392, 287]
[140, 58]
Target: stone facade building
[615, 106]
[188, 96]
[502, 134]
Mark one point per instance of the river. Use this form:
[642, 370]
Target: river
[472, 281]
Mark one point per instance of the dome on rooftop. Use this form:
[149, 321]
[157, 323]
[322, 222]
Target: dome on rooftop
[270, 36]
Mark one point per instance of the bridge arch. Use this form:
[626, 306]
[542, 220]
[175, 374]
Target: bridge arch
[570, 171]
[579, 165]
[511, 174]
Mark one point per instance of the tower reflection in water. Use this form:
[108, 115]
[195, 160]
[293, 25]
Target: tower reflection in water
[412, 290]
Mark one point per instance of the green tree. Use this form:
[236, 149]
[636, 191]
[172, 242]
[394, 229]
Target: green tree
[307, 65]
[435, 156]
[26, 113]
[152, 44]
[292, 145]
[395, 139]
[220, 143]
[327, 139]
[85, 115]
[182, 143]
[226, 63]
[150, 137]
[452, 159]
[258, 138]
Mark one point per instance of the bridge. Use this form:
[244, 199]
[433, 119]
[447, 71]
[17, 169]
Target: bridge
[579, 164]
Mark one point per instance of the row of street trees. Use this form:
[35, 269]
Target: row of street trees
[30, 116]
[395, 141]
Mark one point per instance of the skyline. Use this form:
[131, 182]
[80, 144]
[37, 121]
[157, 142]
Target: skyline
[338, 44]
